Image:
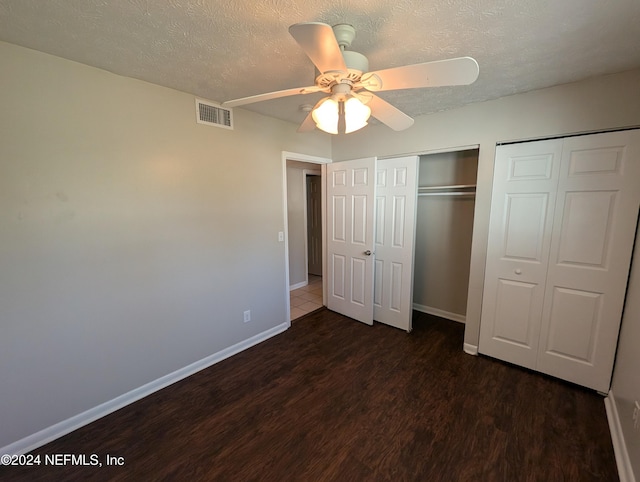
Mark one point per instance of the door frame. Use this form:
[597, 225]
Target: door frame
[322, 161]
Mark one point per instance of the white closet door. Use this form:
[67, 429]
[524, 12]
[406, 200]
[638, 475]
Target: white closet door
[395, 211]
[350, 228]
[594, 229]
[524, 186]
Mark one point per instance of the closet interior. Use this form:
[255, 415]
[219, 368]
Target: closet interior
[444, 227]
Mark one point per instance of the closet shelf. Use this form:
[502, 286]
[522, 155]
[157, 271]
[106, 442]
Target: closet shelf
[450, 187]
[451, 190]
[449, 193]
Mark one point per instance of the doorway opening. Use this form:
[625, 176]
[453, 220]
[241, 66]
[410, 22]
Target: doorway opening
[307, 295]
[444, 231]
[304, 222]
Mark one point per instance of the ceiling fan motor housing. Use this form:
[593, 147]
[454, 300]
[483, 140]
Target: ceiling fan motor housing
[340, 92]
[357, 64]
[355, 61]
[344, 34]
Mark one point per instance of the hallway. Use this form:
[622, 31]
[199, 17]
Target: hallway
[306, 299]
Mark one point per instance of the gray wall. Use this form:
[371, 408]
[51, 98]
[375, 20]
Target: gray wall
[132, 238]
[444, 228]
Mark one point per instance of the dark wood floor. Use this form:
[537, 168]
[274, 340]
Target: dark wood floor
[332, 399]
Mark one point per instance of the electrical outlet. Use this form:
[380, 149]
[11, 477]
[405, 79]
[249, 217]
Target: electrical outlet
[247, 316]
[636, 415]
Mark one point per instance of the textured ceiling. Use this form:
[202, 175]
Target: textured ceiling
[225, 49]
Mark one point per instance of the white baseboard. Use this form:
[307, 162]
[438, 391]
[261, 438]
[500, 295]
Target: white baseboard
[470, 349]
[441, 313]
[298, 285]
[625, 470]
[53, 432]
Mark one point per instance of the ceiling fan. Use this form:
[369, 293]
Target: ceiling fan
[344, 75]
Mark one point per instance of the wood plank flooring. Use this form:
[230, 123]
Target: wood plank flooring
[335, 400]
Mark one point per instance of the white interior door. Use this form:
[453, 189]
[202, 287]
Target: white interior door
[594, 230]
[395, 212]
[350, 228]
[524, 187]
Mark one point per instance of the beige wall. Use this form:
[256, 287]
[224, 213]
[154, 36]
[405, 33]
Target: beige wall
[132, 238]
[626, 374]
[600, 103]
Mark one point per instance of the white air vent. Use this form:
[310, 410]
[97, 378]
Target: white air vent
[212, 114]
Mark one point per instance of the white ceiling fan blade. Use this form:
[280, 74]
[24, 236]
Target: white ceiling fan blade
[319, 43]
[459, 71]
[388, 114]
[308, 124]
[271, 95]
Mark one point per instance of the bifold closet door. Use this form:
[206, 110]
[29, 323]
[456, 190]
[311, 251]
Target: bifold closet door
[395, 211]
[524, 191]
[562, 229]
[593, 234]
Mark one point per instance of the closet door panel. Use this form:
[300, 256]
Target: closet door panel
[396, 191]
[574, 317]
[525, 227]
[524, 186]
[378, 276]
[585, 235]
[594, 229]
[398, 287]
[350, 234]
[516, 312]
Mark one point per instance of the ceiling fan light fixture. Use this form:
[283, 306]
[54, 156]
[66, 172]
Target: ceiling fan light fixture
[326, 116]
[356, 115]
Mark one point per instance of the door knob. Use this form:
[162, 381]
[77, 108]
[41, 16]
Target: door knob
[518, 271]
[367, 252]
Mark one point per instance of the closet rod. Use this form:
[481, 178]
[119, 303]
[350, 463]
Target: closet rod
[450, 193]
[439, 188]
